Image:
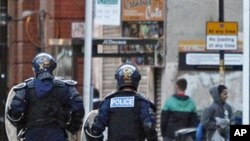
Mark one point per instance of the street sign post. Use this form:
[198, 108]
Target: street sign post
[221, 36]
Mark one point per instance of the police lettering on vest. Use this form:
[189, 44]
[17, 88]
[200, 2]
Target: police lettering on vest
[122, 102]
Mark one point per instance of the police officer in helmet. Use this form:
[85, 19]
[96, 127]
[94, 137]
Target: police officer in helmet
[44, 106]
[128, 115]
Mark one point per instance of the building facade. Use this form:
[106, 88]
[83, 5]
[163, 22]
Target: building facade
[183, 21]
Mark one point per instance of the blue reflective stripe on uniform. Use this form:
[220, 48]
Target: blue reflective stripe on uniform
[122, 102]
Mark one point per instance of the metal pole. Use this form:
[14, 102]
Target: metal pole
[88, 56]
[3, 64]
[246, 44]
[221, 52]
[87, 51]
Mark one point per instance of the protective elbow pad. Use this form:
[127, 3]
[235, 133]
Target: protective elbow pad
[18, 102]
[16, 118]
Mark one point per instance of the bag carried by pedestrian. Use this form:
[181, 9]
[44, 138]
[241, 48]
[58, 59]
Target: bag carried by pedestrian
[217, 137]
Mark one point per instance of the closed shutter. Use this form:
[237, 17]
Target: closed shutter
[109, 64]
[108, 77]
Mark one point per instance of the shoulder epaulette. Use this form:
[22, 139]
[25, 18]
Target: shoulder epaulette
[59, 82]
[30, 83]
[110, 95]
[60, 78]
[141, 95]
[29, 79]
[70, 82]
[20, 86]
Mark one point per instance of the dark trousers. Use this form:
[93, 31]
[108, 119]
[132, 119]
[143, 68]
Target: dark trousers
[45, 134]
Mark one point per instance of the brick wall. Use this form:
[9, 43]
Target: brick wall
[21, 51]
[22, 48]
[66, 12]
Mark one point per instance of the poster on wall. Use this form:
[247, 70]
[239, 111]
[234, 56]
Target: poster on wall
[77, 29]
[107, 12]
[143, 10]
[144, 19]
[144, 30]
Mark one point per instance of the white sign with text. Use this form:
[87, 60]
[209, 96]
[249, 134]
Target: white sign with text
[212, 59]
[108, 12]
[220, 42]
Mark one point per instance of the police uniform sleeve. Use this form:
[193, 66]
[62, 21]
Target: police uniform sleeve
[102, 117]
[17, 106]
[95, 131]
[76, 107]
[148, 120]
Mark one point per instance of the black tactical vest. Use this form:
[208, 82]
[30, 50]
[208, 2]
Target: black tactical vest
[49, 111]
[124, 123]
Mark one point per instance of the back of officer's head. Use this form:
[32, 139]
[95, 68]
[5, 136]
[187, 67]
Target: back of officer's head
[127, 76]
[43, 65]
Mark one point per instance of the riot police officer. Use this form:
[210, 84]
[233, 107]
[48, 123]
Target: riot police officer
[45, 106]
[127, 114]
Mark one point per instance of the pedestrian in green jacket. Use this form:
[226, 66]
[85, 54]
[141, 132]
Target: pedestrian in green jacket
[178, 112]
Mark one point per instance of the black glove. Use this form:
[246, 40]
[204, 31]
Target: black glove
[75, 123]
[93, 134]
[72, 128]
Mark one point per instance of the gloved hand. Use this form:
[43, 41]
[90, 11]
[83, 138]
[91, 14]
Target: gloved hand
[72, 128]
[75, 123]
[92, 134]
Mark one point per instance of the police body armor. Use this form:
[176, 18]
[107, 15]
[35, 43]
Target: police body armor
[40, 111]
[124, 117]
[48, 111]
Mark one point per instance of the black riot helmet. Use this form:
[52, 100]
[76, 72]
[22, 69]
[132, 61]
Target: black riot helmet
[127, 75]
[43, 65]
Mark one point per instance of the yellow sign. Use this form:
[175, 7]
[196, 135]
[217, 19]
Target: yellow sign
[222, 28]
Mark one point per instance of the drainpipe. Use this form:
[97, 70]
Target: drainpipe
[3, 64]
